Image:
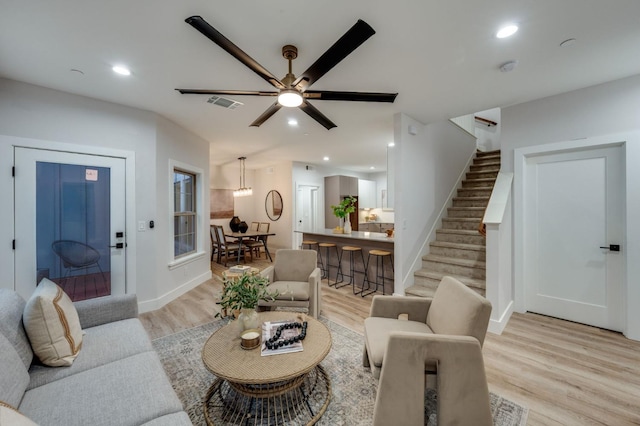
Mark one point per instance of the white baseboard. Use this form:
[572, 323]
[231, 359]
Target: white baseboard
[153, 304]
[497, 326]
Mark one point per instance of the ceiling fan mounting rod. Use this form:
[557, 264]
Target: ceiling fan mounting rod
[289, 52]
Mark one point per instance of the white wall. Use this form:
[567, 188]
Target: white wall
[607, 109]
[175, 145]
[87, 125]
[428, 167]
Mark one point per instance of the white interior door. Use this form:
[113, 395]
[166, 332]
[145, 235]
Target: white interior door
[69, 222]
[574, 207]
[306, 210]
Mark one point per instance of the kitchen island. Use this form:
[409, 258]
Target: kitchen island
[367, 241]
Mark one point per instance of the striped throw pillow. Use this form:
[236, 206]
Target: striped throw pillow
[52, 324]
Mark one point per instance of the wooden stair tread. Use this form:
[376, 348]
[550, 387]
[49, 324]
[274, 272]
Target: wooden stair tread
[455, 261]
[458, 231]
[471, 198]
[459, 246]
[460, 219]
[419, 290]
[488, 180]
[471, 282]
[485, 153]
[467, 209]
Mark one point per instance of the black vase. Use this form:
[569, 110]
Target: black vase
[242, 227]
[234, 223]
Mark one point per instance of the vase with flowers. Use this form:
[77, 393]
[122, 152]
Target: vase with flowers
[342, 212]
[241, 295]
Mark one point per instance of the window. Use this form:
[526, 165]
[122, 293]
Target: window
[184, 213]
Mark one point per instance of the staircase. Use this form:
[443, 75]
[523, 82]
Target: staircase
[459, 249]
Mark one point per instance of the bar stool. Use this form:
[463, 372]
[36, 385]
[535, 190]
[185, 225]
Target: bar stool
[351, 250]
[327, 262]
[313, 245]
[379, 256]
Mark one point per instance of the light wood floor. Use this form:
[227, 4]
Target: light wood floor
[566, 373]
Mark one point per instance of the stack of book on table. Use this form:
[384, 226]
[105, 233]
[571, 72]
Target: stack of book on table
[269, 329]
[239, 269]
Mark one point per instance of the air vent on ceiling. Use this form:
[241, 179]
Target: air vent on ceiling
[224, 102]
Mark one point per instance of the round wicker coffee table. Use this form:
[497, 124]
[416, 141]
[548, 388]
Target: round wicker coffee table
[289, 388]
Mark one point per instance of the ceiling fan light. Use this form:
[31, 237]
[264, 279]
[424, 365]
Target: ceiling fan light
[289, 98]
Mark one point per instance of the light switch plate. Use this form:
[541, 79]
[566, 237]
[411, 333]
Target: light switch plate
[142, 226]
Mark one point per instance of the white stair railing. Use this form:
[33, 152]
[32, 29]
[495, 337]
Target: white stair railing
[497, 221]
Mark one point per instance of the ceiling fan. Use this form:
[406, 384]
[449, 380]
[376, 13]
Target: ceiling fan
[292, 91]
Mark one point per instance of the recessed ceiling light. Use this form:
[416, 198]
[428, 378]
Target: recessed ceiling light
[372, 168]
[507, 31]
[391, 144]
[293, 122]
[119, 69]
[326, 158]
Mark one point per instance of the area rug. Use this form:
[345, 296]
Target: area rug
[353, 386]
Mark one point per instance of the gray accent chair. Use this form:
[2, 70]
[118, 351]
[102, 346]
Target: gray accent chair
[296, 277]
[442, 335]
[116, 379]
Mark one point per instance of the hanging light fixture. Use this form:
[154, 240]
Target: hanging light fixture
[243, 191]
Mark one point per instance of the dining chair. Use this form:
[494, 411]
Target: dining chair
[225, 248]
[214, 243]
[260, 241]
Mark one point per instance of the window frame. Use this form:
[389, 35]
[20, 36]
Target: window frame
[201, 238]
[184, 212]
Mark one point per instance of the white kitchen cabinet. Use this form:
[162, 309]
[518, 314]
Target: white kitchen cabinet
[366, 194]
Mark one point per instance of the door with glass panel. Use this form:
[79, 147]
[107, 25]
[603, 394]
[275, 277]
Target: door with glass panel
[69, 222]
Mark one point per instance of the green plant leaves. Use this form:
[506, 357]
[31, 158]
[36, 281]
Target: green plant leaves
[245, 292]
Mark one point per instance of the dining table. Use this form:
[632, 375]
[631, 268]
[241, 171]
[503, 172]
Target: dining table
[250, 235]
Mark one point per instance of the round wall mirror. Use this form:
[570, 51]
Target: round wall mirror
[273, 205]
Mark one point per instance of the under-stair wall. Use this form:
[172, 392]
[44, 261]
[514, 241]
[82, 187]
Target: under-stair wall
[428, 163]
[459, 249]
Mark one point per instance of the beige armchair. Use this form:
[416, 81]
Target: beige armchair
[296, 277]
[443, 335]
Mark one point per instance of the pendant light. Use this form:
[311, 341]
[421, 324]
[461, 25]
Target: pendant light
[243, 191]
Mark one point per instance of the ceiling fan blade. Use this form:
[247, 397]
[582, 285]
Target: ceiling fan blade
[312, 112]
[226, 92]
[266, 115]
[215, 36]
[349, 42]
[327, 95]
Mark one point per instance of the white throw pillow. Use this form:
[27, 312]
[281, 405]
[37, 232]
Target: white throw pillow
[52, 324]
[11, 416]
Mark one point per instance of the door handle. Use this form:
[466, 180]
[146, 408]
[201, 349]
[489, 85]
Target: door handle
[612, 247]
[118, 246]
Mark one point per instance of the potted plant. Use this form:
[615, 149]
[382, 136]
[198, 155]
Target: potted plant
[242, 294]
[342, 211]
